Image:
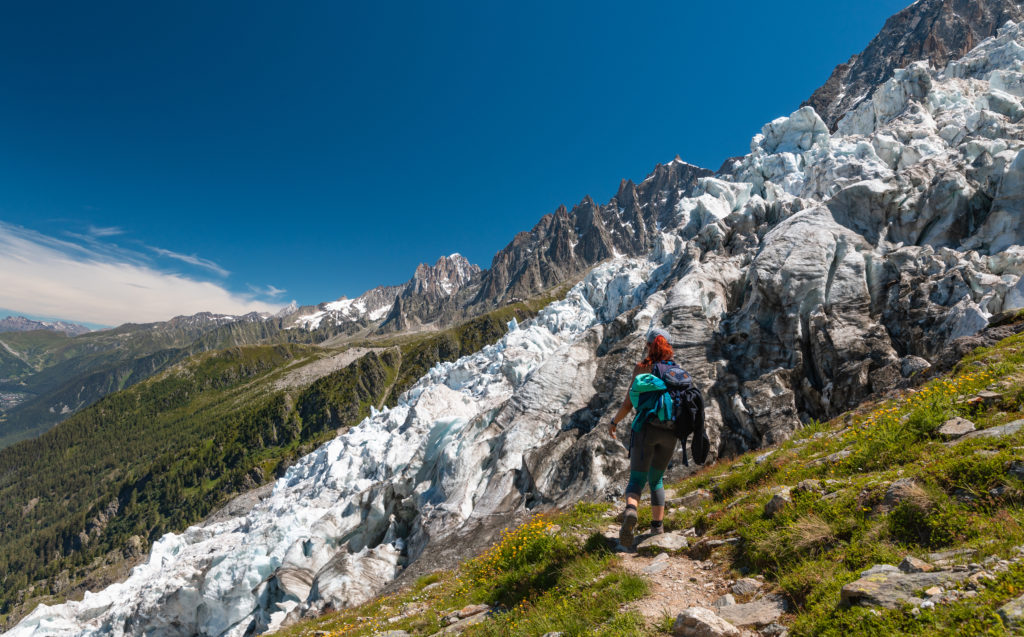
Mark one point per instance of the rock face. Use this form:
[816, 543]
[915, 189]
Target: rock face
[432, 295]
[786, 283]
[933, 30]
[567, 243]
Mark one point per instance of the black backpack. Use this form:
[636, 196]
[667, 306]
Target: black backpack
[687, 407]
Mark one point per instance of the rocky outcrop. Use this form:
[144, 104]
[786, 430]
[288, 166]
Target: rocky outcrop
[933, 30]
[432, 295]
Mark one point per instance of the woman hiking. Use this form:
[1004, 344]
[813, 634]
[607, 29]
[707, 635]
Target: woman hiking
[650, 449]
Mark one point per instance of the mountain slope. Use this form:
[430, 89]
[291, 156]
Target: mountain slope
[933, 30]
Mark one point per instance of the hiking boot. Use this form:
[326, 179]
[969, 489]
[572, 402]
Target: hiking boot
[626, 530]
[657, 529]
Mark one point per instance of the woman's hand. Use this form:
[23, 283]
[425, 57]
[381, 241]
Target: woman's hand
[612, 426]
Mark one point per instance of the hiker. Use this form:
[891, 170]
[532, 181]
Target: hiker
[650, 449]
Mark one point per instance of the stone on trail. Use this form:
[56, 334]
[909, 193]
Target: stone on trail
[702, 622]
[760, 612]
[663, 543]
[955, 427]
[656, 566]
[773, 630]
[393, 633]
[911, 564]
[745, 587]
[725, 600]
[988, 398]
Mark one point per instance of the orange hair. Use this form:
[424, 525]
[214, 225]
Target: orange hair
[657, 350]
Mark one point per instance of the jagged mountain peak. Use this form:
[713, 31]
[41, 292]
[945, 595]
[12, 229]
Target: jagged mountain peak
[445, 277]
[933, 30]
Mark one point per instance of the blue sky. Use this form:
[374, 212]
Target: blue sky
[266, 152]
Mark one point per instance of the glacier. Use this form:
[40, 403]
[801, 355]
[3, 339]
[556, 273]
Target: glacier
[337, 523]
[803, 277]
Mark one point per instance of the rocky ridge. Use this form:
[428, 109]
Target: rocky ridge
[803, 277]
[561, 247]
[22, 324]
[934, 30]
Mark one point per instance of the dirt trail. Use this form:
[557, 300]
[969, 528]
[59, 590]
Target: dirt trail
[677, 582]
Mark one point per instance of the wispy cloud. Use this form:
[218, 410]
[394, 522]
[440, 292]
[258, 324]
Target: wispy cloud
[270, 291]
[110, 231]
[192, 259]
[52, 277]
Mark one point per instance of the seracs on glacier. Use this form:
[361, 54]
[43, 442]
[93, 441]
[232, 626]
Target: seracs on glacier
[809, 272]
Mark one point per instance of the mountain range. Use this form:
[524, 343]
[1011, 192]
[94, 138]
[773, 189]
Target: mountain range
[845, 255]
[22, 324]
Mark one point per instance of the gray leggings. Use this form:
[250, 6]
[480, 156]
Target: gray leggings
[650, 451]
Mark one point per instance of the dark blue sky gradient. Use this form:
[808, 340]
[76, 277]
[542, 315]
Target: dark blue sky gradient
[327, 147]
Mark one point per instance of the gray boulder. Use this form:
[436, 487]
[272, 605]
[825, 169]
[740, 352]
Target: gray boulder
[891, 588]
[759, 612]
[702, 622]
[955, 427]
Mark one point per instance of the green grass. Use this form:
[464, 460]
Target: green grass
[551, 573]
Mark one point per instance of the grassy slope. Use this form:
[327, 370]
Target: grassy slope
[553, 573]
[808, 552]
